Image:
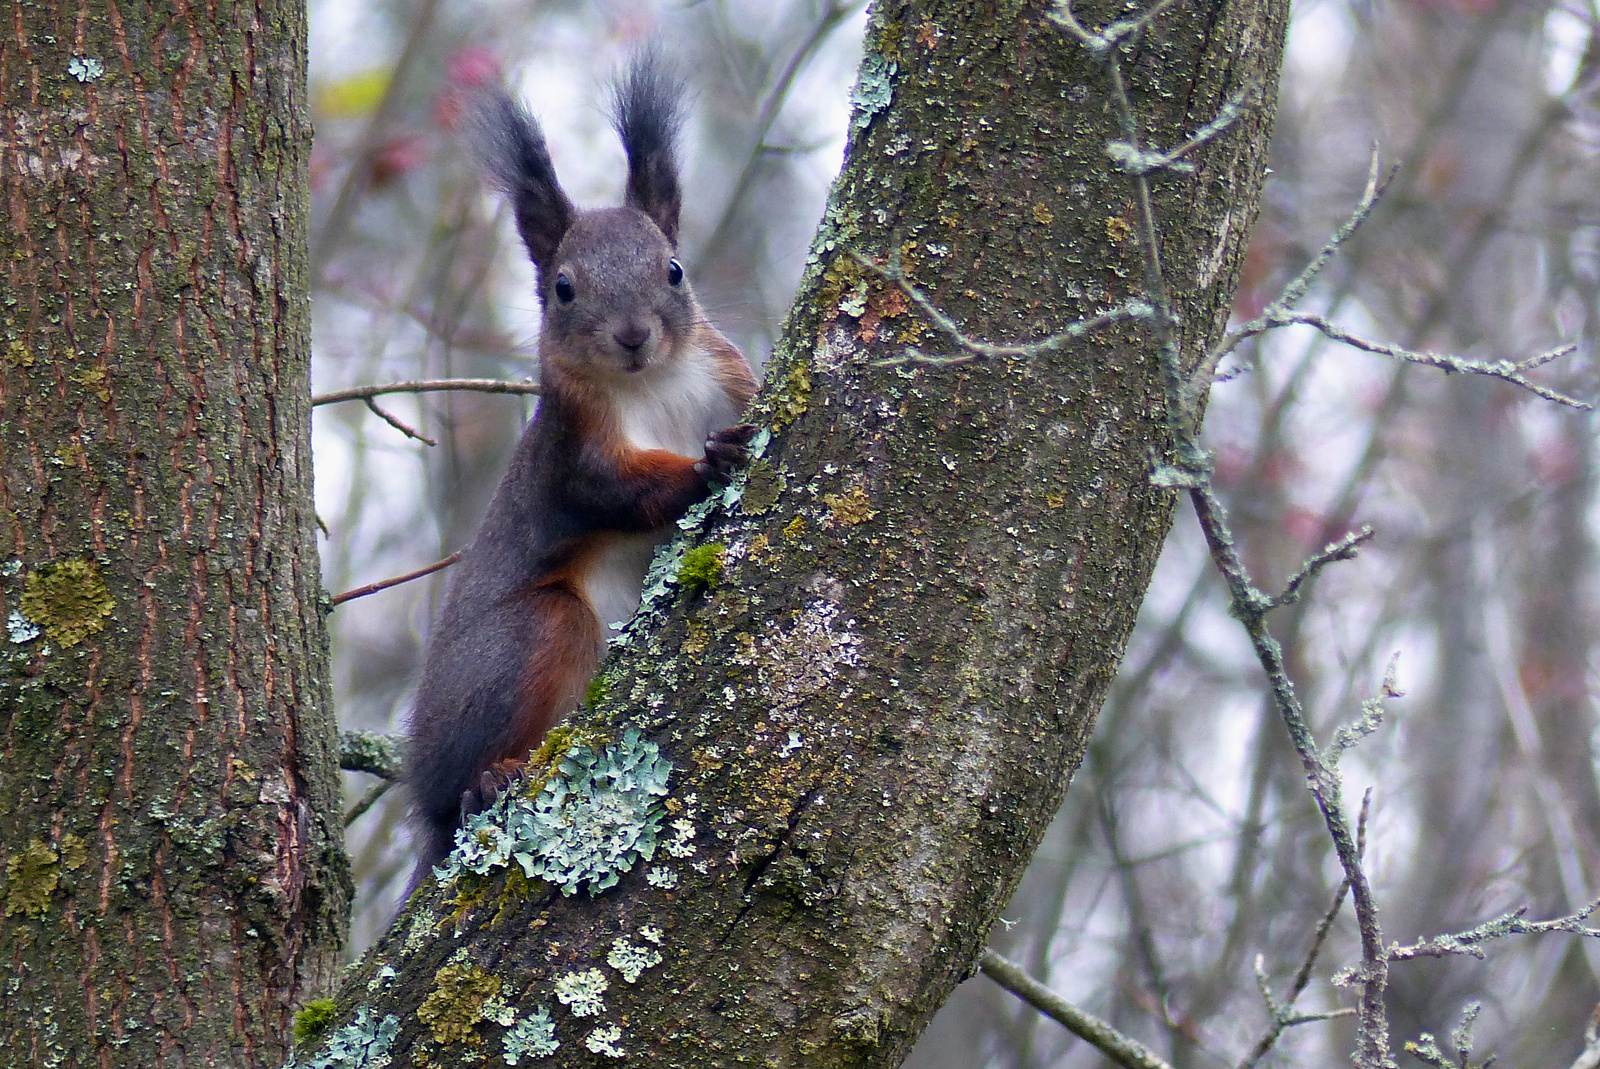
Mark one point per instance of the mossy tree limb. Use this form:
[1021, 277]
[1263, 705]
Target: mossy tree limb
[174, 882]
[923, 593]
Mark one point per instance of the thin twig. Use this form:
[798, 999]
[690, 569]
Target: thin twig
[1504, 370]
[1141, 162]
[362, 393]
[1250, 605]
[385, 584]
[1205, 373]
[1281, 1020]
[367, 801]
[1344, 549]
[392, 421]
[1467, 942]
[1124, 1050]
[1426, 1049]
[1112, 34]
[981, 350]
[1370, 720]
[370, 752]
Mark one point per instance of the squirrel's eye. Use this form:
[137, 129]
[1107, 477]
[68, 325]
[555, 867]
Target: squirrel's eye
[564, 291]
[674, 273]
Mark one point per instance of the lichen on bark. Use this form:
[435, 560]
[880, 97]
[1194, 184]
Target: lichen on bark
[174, 867]
[928, 574]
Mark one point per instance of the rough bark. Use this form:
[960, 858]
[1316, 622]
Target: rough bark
[174, 881]
[874, 706]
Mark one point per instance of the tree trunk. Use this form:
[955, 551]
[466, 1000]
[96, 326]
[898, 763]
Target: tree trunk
[174, 880]
[873, 707]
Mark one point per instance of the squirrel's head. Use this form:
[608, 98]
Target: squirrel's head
[614, 296]
[616, 301]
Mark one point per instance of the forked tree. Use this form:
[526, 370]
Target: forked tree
[860, 685]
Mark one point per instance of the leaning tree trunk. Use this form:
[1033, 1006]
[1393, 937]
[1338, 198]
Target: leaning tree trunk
[875, 675]
[174, 880]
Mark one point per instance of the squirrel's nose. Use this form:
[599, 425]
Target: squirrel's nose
[632, 337]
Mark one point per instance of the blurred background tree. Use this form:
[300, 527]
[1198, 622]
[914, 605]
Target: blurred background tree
[1189, 845]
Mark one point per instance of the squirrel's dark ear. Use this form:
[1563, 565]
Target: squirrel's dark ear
[647, 110]
[511, 149]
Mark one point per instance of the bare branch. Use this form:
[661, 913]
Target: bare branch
[1141, 162]
[1124, 1050]
[1504, 370]
[367, 801]
[370, 752]
[396, 424]
[980, 350]
[1344, 549]
[1292, 293]
[385, 584]
[362, 393]
[1467, 942]
[1370, 720]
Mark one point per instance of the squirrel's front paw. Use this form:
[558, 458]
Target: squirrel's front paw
[725, 450]
[495, 781]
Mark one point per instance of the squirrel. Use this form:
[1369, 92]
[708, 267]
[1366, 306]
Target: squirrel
[638, 415]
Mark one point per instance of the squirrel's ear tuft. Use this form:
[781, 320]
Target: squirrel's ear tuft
[510, 148]
[647, 110]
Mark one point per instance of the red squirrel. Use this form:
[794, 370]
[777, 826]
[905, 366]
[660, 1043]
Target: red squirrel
[638, 414]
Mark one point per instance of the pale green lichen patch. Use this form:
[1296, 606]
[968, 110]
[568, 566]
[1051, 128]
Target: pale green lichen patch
[85, 68]
[532, 1037]
[604, 1040]
[362, 1044]
[68, 599]
[582, 992]
[595, 817]
[874, 90]
[381, 977]
[630, 960]
[420, 933]
[454, 1007]
[682, 842]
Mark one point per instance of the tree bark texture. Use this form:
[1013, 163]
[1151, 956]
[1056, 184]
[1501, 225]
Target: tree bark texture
[174, 881]
[874, 708]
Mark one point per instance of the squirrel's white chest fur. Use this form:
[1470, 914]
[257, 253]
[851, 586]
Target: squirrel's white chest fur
[675, 409]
